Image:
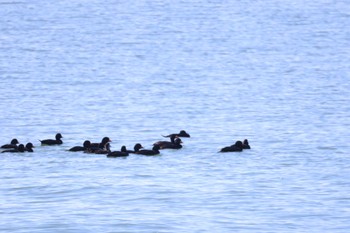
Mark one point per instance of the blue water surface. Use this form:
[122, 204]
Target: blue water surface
[275, 72]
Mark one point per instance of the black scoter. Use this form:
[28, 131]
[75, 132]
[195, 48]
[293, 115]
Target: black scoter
[154, 151]
[182, 134]
[51, 142]
[100, 148]
[19, 149]
[246, 144]
[237, 147]
[121, 153]
[164, 143]
[137, 147]
[171, 145]
[102, 144]
[86, 146]
[29, 147]
[12, 145]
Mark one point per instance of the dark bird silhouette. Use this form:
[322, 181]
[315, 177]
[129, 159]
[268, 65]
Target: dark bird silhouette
[154, 151]
[121, 153]
[19, 149]
[29, 147]
[12, 145]
[102, 144]
[181, 134]
[174, 144]
[164, 143]
[137, 147]
[86, 146]
[246, 144]
[51, 142]
[100, 148]
[237, 147]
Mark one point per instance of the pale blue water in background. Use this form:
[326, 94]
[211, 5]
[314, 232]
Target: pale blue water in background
[276, 72]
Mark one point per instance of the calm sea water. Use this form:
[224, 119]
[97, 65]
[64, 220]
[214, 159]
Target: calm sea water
[276, 72]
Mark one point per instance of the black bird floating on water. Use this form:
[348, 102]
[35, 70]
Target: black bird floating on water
[51, 142]
[12, 145]
[154, 151]
[237, 147]
[163, 143]
[121, 153]
[29, 147]
[86, 146]
[246, 144]
[102, 144]
[100, 148]
[175, 143]
[137, 147]
[19, 149]
[181, 134]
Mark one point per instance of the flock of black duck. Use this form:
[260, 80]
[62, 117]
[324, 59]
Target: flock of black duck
[104, 147]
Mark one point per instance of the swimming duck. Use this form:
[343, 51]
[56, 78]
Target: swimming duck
[137, 147]
[97, 150]
[100, 148]
[121, 153]
[164, 143]
[182, 134]
[154, 151]
[171, 145]
[102, 144]
[12, 145]
[19, 149]
[29, 147]
[237, 147]
[246, 144]
[51, 142]
[86, 146]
